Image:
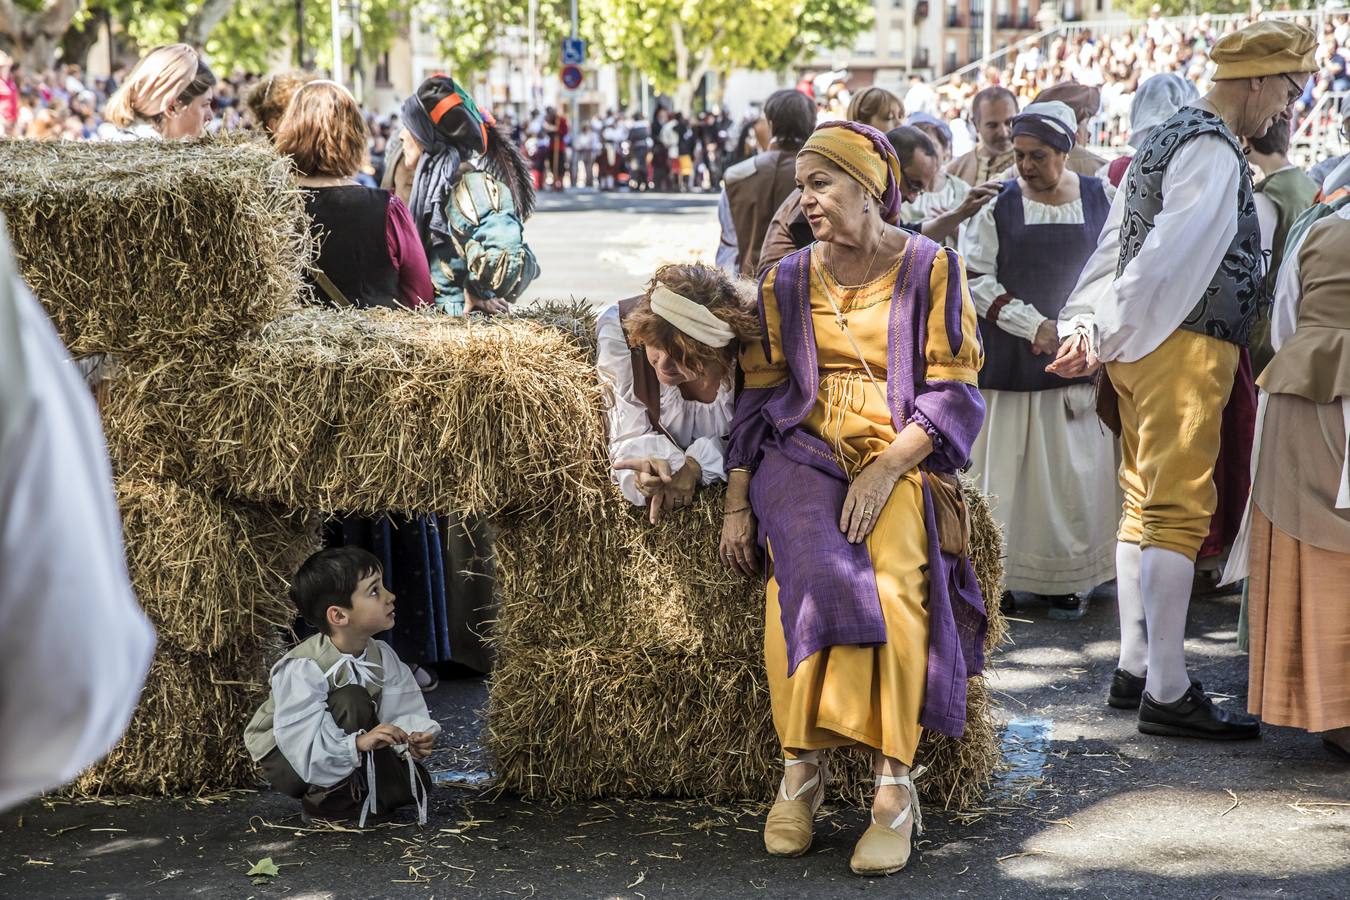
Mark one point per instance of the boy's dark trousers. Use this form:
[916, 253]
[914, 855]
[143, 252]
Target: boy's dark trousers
[354, 710]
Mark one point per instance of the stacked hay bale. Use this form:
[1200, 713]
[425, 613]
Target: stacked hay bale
[631, 664]
[628, 657]
[144, 254]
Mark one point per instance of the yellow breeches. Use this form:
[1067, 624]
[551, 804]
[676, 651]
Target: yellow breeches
[849, 695]
[1171, 413]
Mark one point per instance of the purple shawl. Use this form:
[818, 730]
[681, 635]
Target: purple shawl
[827, 587]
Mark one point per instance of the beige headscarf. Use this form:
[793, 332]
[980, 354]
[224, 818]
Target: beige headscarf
[153, 85]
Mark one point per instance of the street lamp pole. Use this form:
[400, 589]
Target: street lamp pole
[335, 12]
[576, 102]
[988, 29]
[532, 49]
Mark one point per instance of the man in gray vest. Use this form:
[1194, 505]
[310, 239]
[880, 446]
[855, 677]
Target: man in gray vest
[1188, 287]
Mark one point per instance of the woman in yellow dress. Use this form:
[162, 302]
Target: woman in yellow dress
[859, 405]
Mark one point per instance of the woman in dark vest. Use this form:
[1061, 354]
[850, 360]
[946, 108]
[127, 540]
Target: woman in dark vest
[668, 358]
[369, 255]
[369, 250]
[1042, 452]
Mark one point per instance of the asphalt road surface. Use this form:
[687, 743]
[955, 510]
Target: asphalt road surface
[1084, 806]
[605, 247]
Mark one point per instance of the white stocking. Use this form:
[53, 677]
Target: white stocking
[1166, 577]
[1129, 598]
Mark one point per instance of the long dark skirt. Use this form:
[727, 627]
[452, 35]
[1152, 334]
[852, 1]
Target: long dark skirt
[442, 571]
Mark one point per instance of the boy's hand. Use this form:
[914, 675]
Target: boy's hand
[381, 736]
[420, 744]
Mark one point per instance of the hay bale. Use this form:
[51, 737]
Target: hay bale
[368, 411]
[149, 246]
[630, 663]
[186, 736]
[211, 574]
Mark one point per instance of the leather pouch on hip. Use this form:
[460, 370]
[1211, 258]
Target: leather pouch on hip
[1108, 402]
[950, 513]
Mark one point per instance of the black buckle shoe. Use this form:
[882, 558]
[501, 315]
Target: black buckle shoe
[1127, 689]
[1195, 716]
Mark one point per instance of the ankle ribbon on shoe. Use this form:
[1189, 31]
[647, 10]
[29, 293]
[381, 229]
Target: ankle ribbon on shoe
[809, 785]
[907, 782]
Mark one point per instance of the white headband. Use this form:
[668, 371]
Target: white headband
[694, 319]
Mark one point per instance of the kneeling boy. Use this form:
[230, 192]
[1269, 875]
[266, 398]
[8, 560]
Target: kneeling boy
[345, 723]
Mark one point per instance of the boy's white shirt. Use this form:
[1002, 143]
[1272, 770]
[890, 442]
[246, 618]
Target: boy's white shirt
[321, 753]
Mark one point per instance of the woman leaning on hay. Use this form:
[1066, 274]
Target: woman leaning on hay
[669, 358]
[167, 97]
[859, 407]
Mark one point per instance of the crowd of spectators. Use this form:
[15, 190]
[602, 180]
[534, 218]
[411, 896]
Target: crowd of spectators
[1117, 61]
[673, 150]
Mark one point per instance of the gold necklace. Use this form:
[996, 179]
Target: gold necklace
[839, 318]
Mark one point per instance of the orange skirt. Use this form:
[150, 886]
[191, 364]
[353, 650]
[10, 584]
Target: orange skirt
[1299, 623]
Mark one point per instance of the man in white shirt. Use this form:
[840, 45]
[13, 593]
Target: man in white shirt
[1187, 290]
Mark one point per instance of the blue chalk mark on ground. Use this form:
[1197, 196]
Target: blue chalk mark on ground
[462, 778]
[1025, 746]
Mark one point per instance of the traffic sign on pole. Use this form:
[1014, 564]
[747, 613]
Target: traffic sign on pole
[572, 77]
[573, 52]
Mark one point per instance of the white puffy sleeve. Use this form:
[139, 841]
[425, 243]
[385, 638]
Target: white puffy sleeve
[979, 246]
[74, 643]
[710, 454]
[402, 702]
[1097, 280]
[1178, 259]
[1288, 296]
[631, 435]
[321, 753]
[1268, 217]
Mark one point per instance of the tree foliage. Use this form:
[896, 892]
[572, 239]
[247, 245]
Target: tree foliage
[677, 42]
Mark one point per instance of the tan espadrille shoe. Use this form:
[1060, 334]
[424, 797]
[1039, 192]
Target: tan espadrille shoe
[787, 830]
[884, 850]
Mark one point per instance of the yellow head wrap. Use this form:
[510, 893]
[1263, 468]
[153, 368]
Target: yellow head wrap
[858, 155]
[1272, 47]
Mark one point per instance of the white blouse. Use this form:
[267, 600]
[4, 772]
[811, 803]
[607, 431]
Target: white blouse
[321, 752]
[979, 246]
[699, 427]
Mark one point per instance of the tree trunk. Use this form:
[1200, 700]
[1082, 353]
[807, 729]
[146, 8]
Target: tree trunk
[77, 43]
[35, 36]
[197, 29]
[684, 95]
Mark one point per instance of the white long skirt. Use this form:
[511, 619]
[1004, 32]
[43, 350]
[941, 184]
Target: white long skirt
[1049, 467]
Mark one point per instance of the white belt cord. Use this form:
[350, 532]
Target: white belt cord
[369, 806]
[419, 792]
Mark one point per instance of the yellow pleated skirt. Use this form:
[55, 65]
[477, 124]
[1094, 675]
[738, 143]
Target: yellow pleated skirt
[846, 695]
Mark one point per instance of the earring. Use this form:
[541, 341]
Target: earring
[867, 207]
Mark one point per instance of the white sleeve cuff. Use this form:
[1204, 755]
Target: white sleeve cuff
[710, 454]
[1020, 319]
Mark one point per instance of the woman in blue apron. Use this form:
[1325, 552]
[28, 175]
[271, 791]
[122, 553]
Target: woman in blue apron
[1043, 457]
